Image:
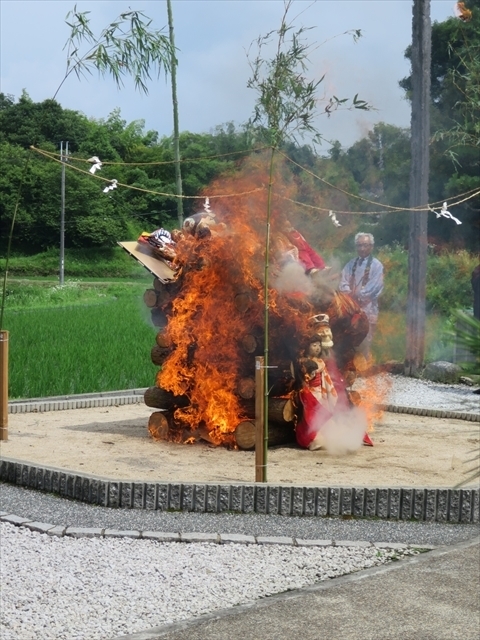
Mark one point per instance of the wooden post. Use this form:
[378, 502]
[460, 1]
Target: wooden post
[260, 467]
[3, 385]
[420, 134]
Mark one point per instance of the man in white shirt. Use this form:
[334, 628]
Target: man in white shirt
[362, 278]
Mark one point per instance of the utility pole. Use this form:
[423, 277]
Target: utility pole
[63, 158]
[176, 134]
[419, 173]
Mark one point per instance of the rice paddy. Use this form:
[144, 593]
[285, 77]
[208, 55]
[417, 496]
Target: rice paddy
[78, 338]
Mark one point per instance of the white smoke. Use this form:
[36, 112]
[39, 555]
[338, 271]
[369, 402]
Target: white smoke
[343, 433]
[292, 277]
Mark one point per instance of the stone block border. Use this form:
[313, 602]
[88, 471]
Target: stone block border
[135, 396]
[395, 503]
[189, 537]
[432, 413]
[84, 401]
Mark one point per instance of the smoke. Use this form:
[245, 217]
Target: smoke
[343, 433]
[291, 278]
[324, 285]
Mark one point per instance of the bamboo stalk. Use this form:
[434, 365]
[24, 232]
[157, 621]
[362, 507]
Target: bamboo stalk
[3, 385]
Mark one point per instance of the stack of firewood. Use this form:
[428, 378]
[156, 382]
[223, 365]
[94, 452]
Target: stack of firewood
[163, 424]
[210, 316]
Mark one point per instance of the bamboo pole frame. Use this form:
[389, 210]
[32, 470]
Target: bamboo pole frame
[3, 385]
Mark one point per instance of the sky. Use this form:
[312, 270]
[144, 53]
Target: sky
[212, 38]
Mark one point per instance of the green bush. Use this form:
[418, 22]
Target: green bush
[79, 263]
[448, 280]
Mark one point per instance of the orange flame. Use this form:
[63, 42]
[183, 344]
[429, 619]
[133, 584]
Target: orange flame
[220, 300]
[373, 394]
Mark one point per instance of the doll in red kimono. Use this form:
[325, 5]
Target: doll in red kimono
[324, 396]
[317, 397]
[307, 256]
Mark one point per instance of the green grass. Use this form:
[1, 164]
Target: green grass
[79, 263]
[76, 339]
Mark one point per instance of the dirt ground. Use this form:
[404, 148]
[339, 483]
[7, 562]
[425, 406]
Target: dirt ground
[113, 442]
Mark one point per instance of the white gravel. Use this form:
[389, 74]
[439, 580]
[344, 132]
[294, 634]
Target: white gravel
[424, 394]
[93, 588]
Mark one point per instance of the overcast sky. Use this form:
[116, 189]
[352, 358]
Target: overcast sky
[212, 37]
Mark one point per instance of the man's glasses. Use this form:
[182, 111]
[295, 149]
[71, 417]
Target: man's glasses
[363, 244]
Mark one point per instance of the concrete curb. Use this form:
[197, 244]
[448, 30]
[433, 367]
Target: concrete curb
[387, 503]
[432, 413]
[192, 537]
[135, 396]
[83, 401]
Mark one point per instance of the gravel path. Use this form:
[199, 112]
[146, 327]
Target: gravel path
[409, 392]
[89, 589]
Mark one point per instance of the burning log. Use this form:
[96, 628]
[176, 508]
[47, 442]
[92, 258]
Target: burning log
[279, 410]
[158, 355]
[277, 434]
[159, 425]
[249, 343]
[159, 317]
[163, 295]
[162, 340]
[203, 434]
[161, 399]
[158, 285]
[246, 388]
[243, 302]
[150, 298]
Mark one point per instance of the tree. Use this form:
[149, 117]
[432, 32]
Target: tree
[455, 81]
[378, 167]
[120, 213]
[455, 116]
[26, 122]
[419, 173]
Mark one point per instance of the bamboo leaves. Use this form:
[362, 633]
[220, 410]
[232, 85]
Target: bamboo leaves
[127, 46]
[286, 99]
[287, 103]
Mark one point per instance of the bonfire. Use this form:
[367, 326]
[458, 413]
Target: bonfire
[210, 318]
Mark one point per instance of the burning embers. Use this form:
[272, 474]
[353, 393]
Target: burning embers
[211, 322]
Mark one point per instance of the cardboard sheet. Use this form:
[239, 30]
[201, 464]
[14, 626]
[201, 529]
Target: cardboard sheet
[155, 266]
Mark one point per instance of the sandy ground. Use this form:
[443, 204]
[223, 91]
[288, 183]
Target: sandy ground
[113, 442]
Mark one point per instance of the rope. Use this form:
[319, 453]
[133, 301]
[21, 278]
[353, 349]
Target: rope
[54, 156]
[157, 193]
[370, 213]
[464, 197]
[379, 204]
